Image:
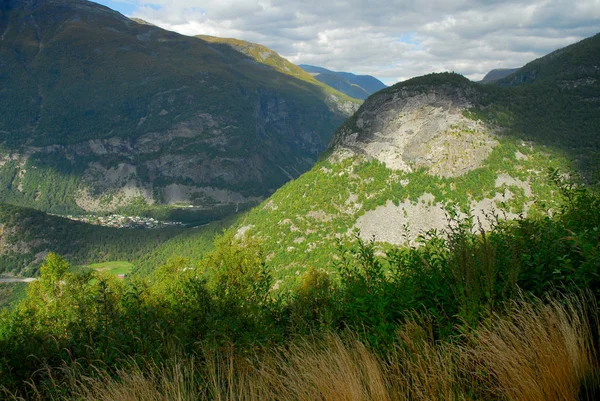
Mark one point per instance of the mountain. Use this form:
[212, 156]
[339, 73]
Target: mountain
[263, 55]
[356, 86]
[427, 153]
[571, 68]
[497, 74]
[554, 100]
[101, 112]
[415, 157]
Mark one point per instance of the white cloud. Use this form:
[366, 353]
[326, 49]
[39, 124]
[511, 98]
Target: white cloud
[390, 39]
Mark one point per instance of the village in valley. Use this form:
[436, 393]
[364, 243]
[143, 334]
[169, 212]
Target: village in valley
[121, 221]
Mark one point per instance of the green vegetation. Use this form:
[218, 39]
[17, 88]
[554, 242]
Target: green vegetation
[28, 235]
[11, 294]
[434, 294]
[538, 353]
[300, 222]
[115, 267]
[546, 114]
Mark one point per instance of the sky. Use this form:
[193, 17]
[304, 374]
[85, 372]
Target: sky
[393, 40]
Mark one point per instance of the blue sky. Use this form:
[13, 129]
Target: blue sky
[122, 7]
[390, 39]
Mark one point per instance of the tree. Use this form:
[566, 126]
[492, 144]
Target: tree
[54, 271]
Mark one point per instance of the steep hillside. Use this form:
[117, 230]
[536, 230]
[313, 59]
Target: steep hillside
[357, 86]
[263, 55]
[100, 112]
[423, 154]
[412, 157]
[497, 74]
[554, 101]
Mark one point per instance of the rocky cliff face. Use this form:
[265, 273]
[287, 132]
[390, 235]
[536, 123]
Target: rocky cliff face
[415, 126]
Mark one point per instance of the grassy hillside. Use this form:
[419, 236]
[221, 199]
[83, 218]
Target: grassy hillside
[537, 133]
[300, 223]
[266, 56]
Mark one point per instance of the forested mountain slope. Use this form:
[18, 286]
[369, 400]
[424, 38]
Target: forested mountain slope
[99, 112]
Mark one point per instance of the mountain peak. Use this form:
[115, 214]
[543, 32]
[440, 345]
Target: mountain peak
[419, 123]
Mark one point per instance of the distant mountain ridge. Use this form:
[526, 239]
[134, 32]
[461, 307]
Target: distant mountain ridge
[577, 65]
[357, 86]
[100, 113]
[497, 74]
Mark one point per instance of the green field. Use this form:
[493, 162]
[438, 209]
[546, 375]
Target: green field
[116, 267]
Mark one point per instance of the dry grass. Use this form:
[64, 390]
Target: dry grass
[329, 369]
[173, 381]
[537, 352]
[540, 352]
[421, 369]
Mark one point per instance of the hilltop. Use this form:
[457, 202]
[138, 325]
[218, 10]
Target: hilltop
[101, 112]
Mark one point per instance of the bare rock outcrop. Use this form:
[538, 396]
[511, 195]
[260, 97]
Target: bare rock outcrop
[411, 127]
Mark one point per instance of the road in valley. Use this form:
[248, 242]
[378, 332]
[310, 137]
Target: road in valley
[16, 279]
